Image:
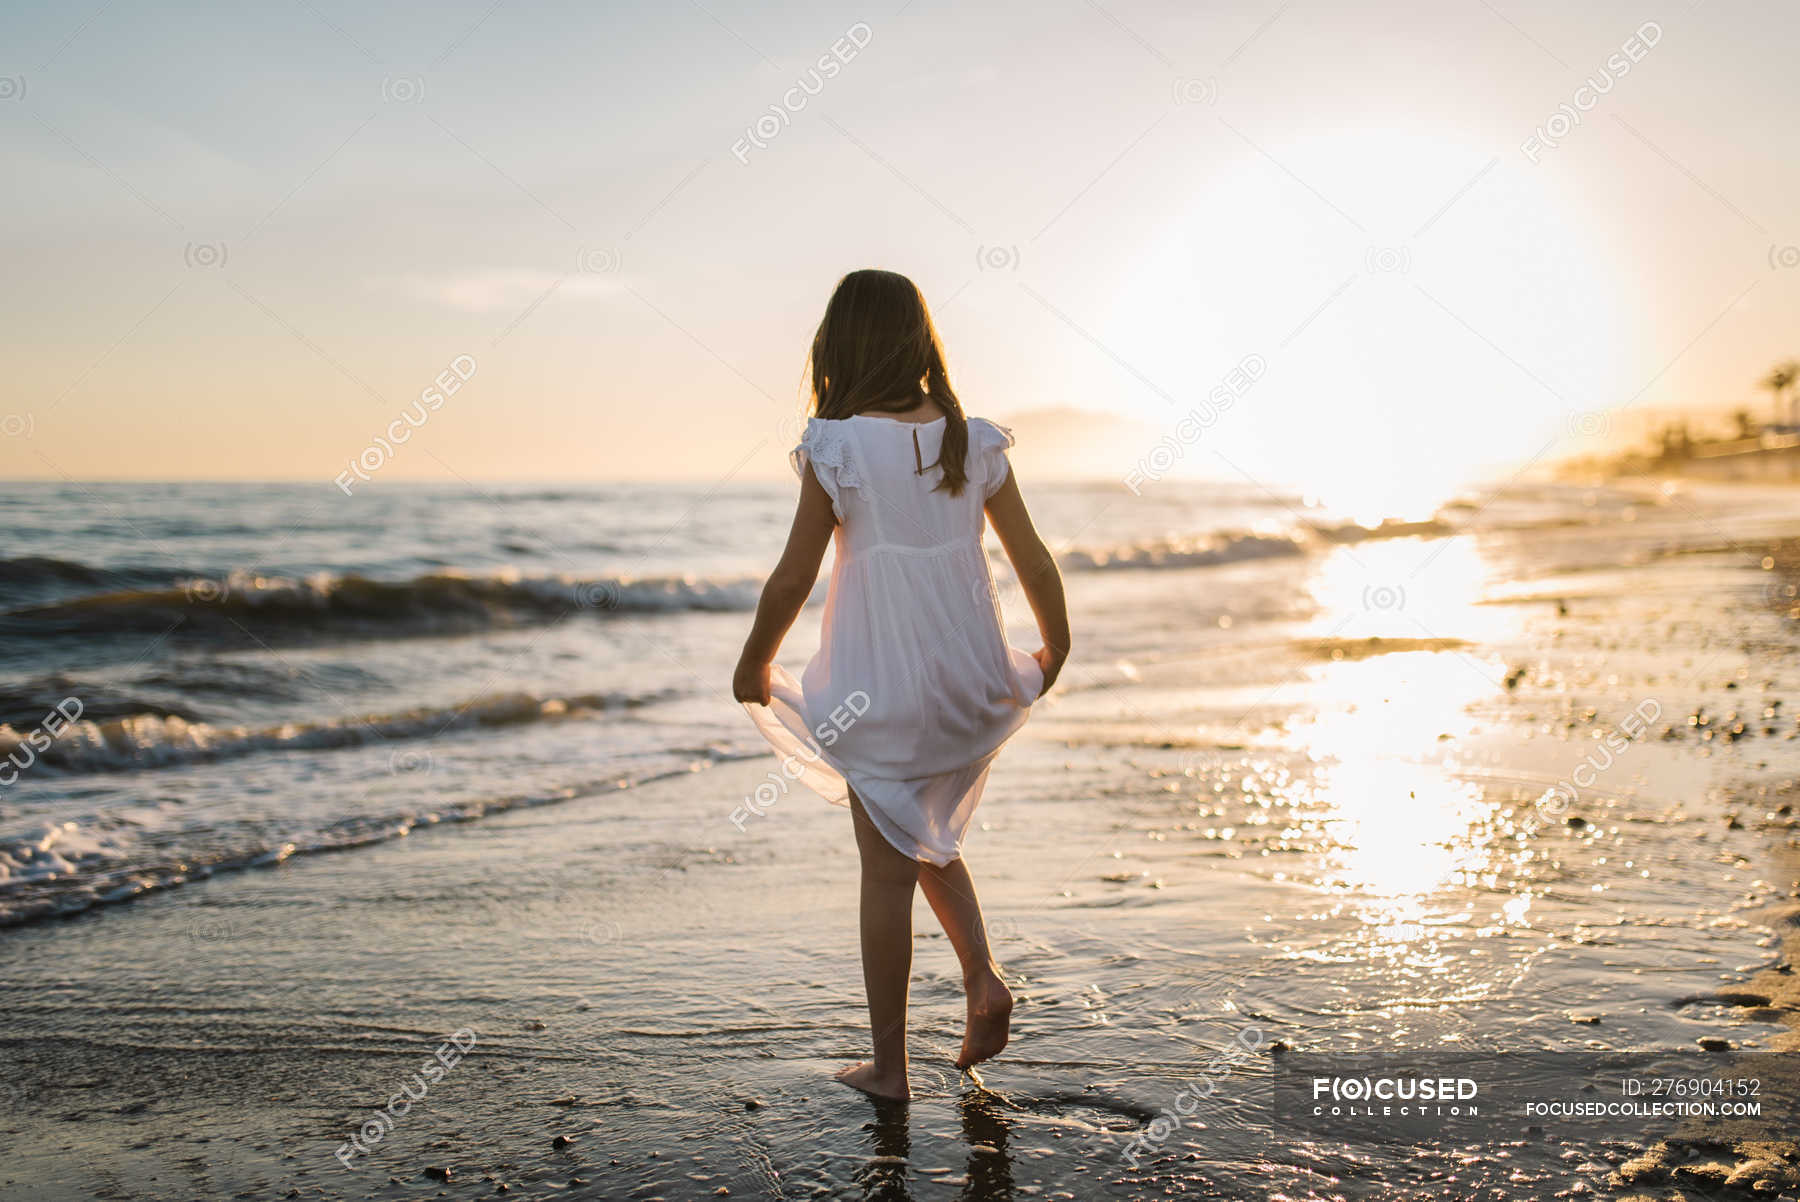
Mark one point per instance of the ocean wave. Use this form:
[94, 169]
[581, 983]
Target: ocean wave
[29, 578]
[1350, 532]
[244, 608]
[1237, 547]
[161, 740]
[1183, 553]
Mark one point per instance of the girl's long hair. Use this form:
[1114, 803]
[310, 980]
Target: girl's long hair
[877, 351]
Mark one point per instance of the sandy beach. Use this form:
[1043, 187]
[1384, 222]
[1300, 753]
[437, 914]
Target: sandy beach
[1288, 815]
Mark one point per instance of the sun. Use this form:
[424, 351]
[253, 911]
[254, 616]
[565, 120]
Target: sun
[1428, 320]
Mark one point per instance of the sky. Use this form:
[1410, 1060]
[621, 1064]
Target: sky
[1350, 249]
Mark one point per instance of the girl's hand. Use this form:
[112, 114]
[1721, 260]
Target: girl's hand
[1050, 662]
[750, 683]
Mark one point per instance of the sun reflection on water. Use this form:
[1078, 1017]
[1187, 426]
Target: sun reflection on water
[1412, 843]
[1404, 824]
[1405, 588]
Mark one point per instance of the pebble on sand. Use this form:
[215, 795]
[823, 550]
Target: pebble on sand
[1714, 1043]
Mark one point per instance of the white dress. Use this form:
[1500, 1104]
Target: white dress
[914, 688]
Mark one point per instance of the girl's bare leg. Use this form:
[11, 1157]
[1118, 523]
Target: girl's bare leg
[951, 892]
[887, 896]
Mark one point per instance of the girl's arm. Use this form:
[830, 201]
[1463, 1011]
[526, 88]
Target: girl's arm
[785, 594]
[1036, 569]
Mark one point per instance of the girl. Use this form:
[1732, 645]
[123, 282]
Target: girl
[914, 689]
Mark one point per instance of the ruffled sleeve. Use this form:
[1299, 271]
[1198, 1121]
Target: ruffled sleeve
[987, 454]
[827, 450]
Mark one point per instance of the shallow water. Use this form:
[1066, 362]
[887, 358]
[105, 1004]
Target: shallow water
[1312, 794]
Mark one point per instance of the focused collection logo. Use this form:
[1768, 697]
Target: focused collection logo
[1394, 1097]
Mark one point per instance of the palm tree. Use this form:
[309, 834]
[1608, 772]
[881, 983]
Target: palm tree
[1781, 377]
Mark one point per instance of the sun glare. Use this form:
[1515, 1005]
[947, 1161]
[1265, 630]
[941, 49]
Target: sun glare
[1341, 263]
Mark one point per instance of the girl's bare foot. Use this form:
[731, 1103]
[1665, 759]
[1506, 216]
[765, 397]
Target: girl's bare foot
[990, 1019]
[865, 1076]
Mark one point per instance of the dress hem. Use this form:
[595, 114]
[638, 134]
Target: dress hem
[783, 723]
